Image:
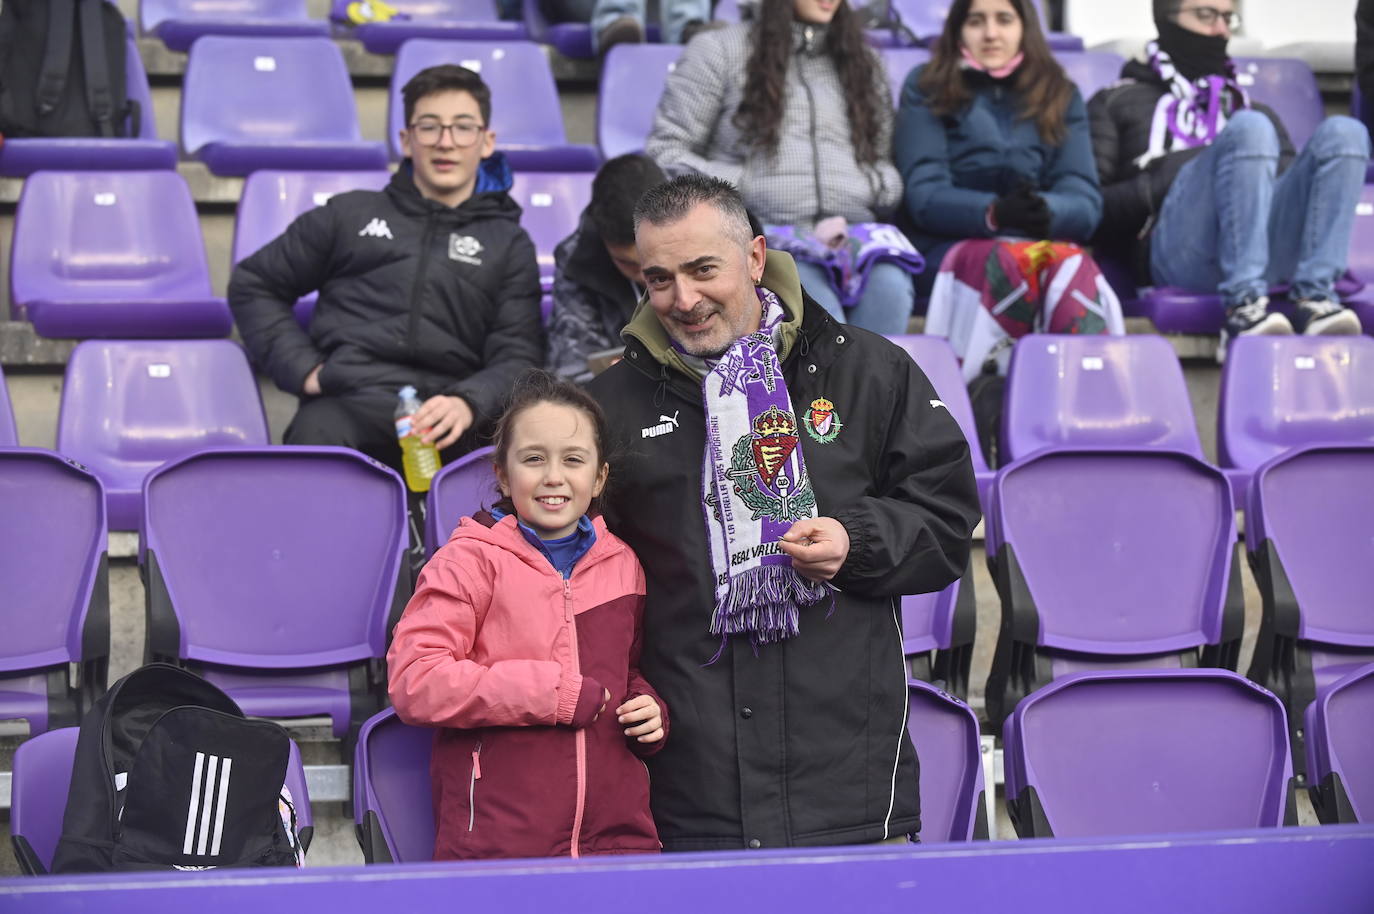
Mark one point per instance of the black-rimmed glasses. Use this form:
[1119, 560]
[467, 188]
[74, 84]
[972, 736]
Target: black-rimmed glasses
[428, 132]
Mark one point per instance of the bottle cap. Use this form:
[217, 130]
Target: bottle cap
[407, 392]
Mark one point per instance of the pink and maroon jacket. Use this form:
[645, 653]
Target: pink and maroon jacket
[509, 660]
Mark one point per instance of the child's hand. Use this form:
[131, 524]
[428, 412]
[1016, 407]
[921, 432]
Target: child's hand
[644, 711]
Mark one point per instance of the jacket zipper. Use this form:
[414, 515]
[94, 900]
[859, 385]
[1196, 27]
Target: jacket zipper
[417, 286]
[472, 783]
[815, 147]
[580, 738]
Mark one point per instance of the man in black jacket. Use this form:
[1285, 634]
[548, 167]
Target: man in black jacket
[1189, 162]
[596, 268]
[430, 282]
[789, 697]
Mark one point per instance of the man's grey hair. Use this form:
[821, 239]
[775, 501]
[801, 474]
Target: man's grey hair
[672, 200]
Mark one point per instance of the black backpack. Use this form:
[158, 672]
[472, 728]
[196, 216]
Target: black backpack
[169, 774]
[62, 70]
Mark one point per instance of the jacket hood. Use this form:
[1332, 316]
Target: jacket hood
[1140, 71]
[589, 265]
[779, 275]
[505, 534]
[491, 198]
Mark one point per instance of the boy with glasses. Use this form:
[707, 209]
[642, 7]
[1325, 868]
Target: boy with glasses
[1204, 183]
[430, 282]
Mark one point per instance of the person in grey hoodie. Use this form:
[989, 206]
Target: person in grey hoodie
[795, 110]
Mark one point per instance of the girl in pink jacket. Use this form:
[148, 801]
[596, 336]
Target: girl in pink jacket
[521, 644]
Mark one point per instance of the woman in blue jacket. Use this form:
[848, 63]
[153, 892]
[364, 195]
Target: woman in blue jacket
[992, 142]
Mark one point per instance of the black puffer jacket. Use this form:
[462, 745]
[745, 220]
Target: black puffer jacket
[411, 292]
[805, 742]
[1120, 116]
[592, 302]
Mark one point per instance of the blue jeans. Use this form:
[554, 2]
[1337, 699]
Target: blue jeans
[885, 306]
[675, 14]
[1227, 225]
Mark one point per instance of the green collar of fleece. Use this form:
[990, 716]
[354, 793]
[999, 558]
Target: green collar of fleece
[779, 275]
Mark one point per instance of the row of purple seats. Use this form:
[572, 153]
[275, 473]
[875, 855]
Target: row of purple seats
[1109, 753]
[42, 778]
[120, 254]
[1116, 558]
[394, 809]
[1277, 393]
[242, 582]
[178, 23]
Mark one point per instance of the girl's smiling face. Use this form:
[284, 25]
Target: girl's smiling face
[552, 469]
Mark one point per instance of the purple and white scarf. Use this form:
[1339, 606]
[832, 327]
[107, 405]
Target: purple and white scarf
[1191, 113]
[866, 244]
[755, 487]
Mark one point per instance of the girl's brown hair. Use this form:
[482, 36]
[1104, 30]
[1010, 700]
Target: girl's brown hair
[536, 387]
[759, 116]
[1040, 82]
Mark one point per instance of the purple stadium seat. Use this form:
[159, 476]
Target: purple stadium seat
[271, 201]
[441, 19]
[530, 131]
[552, 204]
[273, 572]
[1309, 525]
[926, 20]
[111, 254]
[899, 62]
[1091, 70]
[1280, 392]
[1081, 391]
[1287, 85]
[21, 156]
[1146, 752]
[56, 609]
[250, 103]
[464, 487]
[129, 406]
[180, 22]
[38, 796]
[392, 800]
[941, 366]
[632, 78]
[1096, 571]
[944, 622]
[944, 731]
[1360, 262]
[9, 435]
[43, 777]
[1340, 748]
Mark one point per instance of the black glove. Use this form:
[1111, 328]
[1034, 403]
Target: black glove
[1023, 211]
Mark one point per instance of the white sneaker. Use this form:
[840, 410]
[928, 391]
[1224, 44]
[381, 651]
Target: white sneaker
[1251, 317]
[1327, 318]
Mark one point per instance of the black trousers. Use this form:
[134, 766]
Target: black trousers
[362, 420]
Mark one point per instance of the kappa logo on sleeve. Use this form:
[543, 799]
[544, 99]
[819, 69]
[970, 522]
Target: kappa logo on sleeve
[377, 228]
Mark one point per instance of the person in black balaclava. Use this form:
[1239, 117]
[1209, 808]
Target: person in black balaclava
[1202, 185]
